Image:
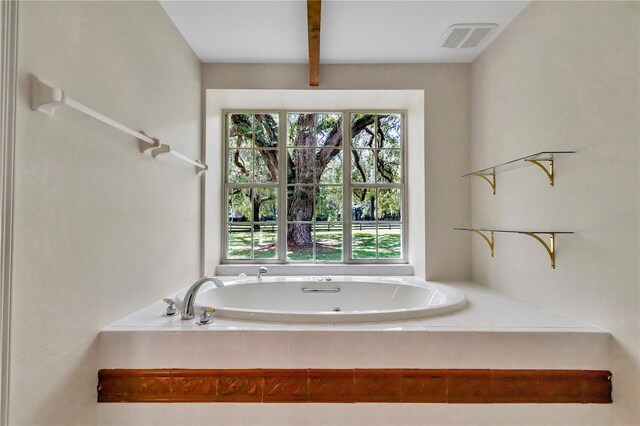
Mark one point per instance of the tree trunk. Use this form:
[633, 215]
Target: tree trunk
[300, 208]
[299, 234]
[255, 204]
[300, 198]
[300, 168]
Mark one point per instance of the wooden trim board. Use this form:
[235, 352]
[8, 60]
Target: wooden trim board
[314, 12]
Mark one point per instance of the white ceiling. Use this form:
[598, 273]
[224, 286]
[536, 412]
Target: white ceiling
[391, 31]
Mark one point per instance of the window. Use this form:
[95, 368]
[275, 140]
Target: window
[289, 180]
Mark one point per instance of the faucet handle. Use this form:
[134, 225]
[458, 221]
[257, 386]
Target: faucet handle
[171, 309]
[205, 317]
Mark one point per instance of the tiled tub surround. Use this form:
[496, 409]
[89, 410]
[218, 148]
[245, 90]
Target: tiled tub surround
[493, 331]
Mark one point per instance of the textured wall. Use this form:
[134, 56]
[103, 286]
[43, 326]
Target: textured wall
[447, 109]
[564, 75]
[100, 229]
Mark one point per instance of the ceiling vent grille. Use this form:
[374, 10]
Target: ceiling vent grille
[464, 36]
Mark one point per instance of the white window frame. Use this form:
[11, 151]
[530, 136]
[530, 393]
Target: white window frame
[347, 187]
[9, 18]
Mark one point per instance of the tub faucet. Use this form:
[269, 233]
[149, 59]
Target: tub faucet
[262, 270]
[188, 305]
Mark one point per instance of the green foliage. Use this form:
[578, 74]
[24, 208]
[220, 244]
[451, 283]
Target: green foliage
[239, 205]
[329, 204]
[314, 157]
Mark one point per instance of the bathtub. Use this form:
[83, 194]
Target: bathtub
[329, 299]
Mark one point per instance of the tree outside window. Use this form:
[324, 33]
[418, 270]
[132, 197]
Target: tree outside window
[303, 173]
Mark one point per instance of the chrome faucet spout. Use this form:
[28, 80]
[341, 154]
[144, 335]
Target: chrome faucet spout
[262, 270]
[188, 305]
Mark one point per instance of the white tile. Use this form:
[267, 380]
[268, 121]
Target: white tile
[545, 350]
[408, 322]
[149, 319]
[486, 328]
[309, 349]
[353, 414]
[170, 349]
[265, 414]
[224, 324]
[586, 330]
[339, 414]
[535, 322]
[136, 328]
[430, 350]
[440, 329]
[264, 325]
[357, 326]
[403, 328]
[144, 414]
[451, 320]
[265, 349]
[311, 326]
[403, 323]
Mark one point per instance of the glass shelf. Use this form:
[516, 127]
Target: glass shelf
[537, 159]
[550, 247]
[509, 231]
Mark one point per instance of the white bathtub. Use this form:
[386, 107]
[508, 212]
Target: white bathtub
[337, 299]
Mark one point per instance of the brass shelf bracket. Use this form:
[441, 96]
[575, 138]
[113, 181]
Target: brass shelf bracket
[492, 181]
[490, 242]
[551, 247]
[543, 159]
[548, 171]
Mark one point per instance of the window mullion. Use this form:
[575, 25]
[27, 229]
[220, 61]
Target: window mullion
[376, 151]
[315, 187]
[225, 186]
[252, 192]
[404, 234]
[346, 186]
[283, 131]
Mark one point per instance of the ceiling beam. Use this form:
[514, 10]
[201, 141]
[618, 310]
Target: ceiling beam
[313, 29]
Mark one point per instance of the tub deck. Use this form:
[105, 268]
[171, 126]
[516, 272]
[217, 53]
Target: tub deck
[493, 330]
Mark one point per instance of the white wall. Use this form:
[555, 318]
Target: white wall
[564, 75]
[100, 229]
[446, 105]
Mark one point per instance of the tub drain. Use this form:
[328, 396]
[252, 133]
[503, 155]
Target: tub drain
[337, 309]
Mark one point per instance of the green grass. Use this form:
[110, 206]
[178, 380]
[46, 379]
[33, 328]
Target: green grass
[328, 245]
[240, 245]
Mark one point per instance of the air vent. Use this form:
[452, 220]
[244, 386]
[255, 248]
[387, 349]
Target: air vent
[464, 36]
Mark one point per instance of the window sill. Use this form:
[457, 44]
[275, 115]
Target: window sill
[318, 269]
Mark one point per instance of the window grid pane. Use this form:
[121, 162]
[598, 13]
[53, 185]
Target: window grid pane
[265, 241]
[313, 199]
[239, 241]
[314, 193]
[376, 230]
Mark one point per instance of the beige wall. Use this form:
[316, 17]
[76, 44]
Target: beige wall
[447, 102]
[564, 75]
[100, 229]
